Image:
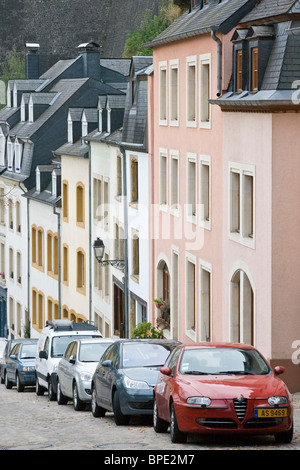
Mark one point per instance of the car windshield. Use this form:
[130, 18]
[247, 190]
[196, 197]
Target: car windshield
[223, 361]
[92, 352]
[60, 343]
[144, 355]
[28, 351]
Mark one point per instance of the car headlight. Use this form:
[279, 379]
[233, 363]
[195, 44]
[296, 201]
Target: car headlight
[28, 369]
[85, 376]
[204, 401]
[135, 384]
[277, 401]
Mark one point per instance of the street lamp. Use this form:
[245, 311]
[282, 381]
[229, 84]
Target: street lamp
[99, 249]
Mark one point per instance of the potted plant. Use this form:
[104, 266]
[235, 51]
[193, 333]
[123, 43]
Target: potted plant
[145, 330]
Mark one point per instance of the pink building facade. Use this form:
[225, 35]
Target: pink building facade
[225, 241]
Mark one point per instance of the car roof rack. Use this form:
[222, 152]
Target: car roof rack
[67, 325]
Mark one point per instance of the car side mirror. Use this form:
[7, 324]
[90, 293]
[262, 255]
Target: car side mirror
[72, 360]
[107, 364]
[13, 356]
[279, 370]
[43, 355]
[166, 370]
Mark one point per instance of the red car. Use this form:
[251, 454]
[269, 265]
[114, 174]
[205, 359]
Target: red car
[216, 388]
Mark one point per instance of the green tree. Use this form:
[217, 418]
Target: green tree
[150, 28]
[13, 67]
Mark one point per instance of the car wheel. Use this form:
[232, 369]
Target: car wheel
[20, 387]
[8, 383]
[97, 411]
[51, 393]
[120, 419]
[78, 404]
[39, 390]
[176, 435]
[159, 424]
[61, 398]
[284, 437]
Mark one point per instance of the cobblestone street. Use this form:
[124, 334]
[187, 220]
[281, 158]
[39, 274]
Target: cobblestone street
[28, 422]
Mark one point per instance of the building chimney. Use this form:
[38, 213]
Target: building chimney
[90, 53]
[32, 61]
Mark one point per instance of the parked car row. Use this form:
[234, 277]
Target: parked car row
[206, 388]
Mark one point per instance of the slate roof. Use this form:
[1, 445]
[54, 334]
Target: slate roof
[135, 117]
[216, 15]
[282, 69]
[270, 9]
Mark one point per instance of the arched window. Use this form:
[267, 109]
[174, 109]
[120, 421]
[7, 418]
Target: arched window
[241, 309]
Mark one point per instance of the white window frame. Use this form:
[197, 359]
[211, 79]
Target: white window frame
[10, 154]
[243, 170]
[205, 222]
[18, 155]
[191, 217]
[163, 180]
[2, 147]
[163, 119]
[174, 65]
[204, 59]
[207, 267]
[192, 334]
[191, 61]
[174, 209]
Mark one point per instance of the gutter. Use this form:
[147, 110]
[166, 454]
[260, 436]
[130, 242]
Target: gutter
[219, 61]
[59, 259]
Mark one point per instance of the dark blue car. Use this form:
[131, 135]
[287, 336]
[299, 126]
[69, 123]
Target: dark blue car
[125, 377]
[20, 364]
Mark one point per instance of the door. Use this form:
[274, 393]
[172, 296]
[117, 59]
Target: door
[69, 371]
[166, 386]
[106, 375]
[12, 363]
[119, 306]
[42, 364]
[64, 372]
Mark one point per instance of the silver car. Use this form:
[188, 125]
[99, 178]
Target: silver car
[76, 369]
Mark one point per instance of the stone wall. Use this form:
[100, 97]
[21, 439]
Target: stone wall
[59, 26]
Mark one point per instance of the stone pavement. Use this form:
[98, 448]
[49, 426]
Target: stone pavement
[28, 422]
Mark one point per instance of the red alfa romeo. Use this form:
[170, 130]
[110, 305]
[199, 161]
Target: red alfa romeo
[221, 388]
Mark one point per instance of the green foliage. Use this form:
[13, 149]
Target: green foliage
[150, 28]
[146, 330]
[13, 66]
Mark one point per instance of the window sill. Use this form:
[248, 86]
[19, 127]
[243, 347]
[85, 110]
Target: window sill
[191, 124]
[205, 125]
[237, 237]
[191, 334]
[135, 278]
[81, 290]
[134, 204]
[38, 267]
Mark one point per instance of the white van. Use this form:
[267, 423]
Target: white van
[53, 341]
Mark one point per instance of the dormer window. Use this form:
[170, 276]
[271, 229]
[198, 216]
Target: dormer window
[84, 125]
[239, 70]
[133, 91]
[2, 148]
[30, 110]
[254, 69]
[8, 95]
[18, 155]
[10, 154]
[70, 131]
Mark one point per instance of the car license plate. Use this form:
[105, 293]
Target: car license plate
[270, 412]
